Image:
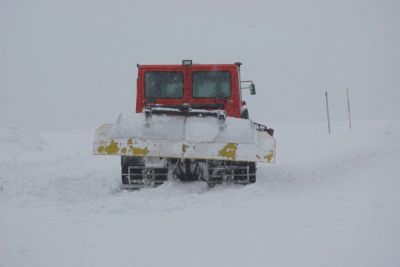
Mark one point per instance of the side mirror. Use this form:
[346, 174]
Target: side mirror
[252, 89]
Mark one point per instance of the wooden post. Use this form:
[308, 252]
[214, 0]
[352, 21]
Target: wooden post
[348, 106]
[327, 112]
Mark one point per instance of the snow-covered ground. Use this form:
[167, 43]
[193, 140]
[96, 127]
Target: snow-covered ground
[328, 201]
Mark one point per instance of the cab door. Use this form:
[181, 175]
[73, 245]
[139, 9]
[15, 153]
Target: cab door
[164, 85]
[214, 87]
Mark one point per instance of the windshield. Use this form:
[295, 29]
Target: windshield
[163, 84]
[211, 84]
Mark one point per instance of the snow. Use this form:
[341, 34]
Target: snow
[330, 200]
[191, 128]
[201, 129]
[20, 138]
[159, 126]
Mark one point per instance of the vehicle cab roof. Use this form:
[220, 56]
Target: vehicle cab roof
[196, 66]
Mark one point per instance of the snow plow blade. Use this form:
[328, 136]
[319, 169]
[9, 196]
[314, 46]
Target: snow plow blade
[191, 134]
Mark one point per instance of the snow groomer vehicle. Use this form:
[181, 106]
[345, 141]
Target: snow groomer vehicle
[191, 123]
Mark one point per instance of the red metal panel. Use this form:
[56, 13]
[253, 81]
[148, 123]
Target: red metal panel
[232, 104]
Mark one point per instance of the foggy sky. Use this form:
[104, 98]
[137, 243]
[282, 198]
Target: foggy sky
[72, 64]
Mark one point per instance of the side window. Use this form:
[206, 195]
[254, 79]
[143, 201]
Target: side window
[163, 84]
[211, 84]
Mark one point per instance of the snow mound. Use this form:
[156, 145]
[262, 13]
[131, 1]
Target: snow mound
[15, 141]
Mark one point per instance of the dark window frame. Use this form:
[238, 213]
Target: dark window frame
[230, 83]
[169, 71]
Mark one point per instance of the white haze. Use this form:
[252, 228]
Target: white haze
[72, 64]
